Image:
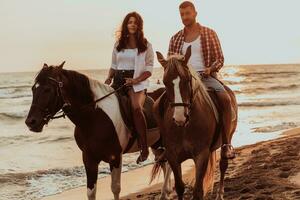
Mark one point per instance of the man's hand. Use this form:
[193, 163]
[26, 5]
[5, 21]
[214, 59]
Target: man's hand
[108, 81]
[131, 81]
[207, 72]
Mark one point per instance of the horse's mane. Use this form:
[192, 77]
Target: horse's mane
[81, 86]
[78, 83]
[202, 95]
[100, 89]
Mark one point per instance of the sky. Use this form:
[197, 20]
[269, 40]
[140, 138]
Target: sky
[82, 32]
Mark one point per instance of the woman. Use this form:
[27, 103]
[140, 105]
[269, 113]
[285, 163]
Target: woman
[132, 65]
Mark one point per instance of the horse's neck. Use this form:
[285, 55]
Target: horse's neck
[99, 89]
[202, 97]
[82, 110]
[200, 93]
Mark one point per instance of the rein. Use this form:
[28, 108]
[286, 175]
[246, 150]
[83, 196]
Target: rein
[66, 104]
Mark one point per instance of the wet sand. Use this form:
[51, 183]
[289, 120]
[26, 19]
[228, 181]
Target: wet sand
[265, 170]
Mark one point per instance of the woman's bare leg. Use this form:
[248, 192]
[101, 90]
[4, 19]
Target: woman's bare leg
[137, 101]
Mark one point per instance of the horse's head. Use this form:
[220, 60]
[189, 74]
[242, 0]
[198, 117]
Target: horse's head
[48, 97]
[178, 81]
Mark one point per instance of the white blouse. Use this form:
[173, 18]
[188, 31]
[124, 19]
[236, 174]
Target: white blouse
[142, 62]
[125, 59]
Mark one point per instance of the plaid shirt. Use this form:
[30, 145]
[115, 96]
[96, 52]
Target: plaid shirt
[211, 47]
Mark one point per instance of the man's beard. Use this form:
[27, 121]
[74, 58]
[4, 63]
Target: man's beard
[189, 23]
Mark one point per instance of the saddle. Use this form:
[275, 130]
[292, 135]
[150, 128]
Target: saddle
[126, 112]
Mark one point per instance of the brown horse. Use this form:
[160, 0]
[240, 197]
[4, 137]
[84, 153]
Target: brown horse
[189, 124]
[100, 131]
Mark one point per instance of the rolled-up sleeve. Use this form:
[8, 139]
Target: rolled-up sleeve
[171, 49]
[218, 58]
[114, 58]
[149, 58]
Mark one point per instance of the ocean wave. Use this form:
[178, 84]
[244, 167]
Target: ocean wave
[15, 86]
[14, 96]
[58, 139]
[15, 92]
[43, 183]
[13, 115]
[256, 81]
[267, 88]
[11, 140]
[267, 104]
[278, 127]
[267, 73]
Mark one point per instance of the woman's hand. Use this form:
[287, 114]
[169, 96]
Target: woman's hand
[131, 81]
[108, 81]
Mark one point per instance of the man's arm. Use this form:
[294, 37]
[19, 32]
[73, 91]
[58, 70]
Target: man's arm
[171, 48]
[217, 53]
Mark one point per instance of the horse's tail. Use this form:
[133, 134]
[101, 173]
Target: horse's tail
[208, 180]
[157, 167]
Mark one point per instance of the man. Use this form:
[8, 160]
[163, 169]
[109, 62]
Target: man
[207, 59]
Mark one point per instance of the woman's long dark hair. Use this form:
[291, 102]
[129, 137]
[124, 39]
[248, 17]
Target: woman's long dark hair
[139, 35]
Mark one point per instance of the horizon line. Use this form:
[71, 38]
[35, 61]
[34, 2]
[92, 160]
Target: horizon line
[90, 69]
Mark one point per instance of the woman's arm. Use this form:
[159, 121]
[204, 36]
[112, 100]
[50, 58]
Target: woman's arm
[113, 67]
[110, 76]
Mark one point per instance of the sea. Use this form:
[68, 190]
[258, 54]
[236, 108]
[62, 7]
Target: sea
[35, 165]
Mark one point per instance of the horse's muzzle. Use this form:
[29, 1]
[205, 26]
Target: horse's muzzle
[181, 123]
[34, 124]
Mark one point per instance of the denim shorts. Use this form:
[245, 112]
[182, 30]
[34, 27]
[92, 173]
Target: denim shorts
[212, 84]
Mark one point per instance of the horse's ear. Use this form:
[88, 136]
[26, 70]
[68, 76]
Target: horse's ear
[45, 65]
[188, 54]
[61, 65]
[161, 59]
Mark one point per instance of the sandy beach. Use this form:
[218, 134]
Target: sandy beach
[265, 170]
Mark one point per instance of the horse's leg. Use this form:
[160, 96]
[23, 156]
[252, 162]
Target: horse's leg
[116, 180]
[91, 169]
[223, 168]
[169, 183]
[166, 189]
[201, 161]
[179, 184]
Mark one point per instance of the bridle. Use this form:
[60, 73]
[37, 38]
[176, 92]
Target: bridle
[65, 109]
[188, 105]
[48, 115]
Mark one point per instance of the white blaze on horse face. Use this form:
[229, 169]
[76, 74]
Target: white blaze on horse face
[91, 193]
[178, 110]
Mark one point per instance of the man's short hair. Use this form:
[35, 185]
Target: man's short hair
[186, 4]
